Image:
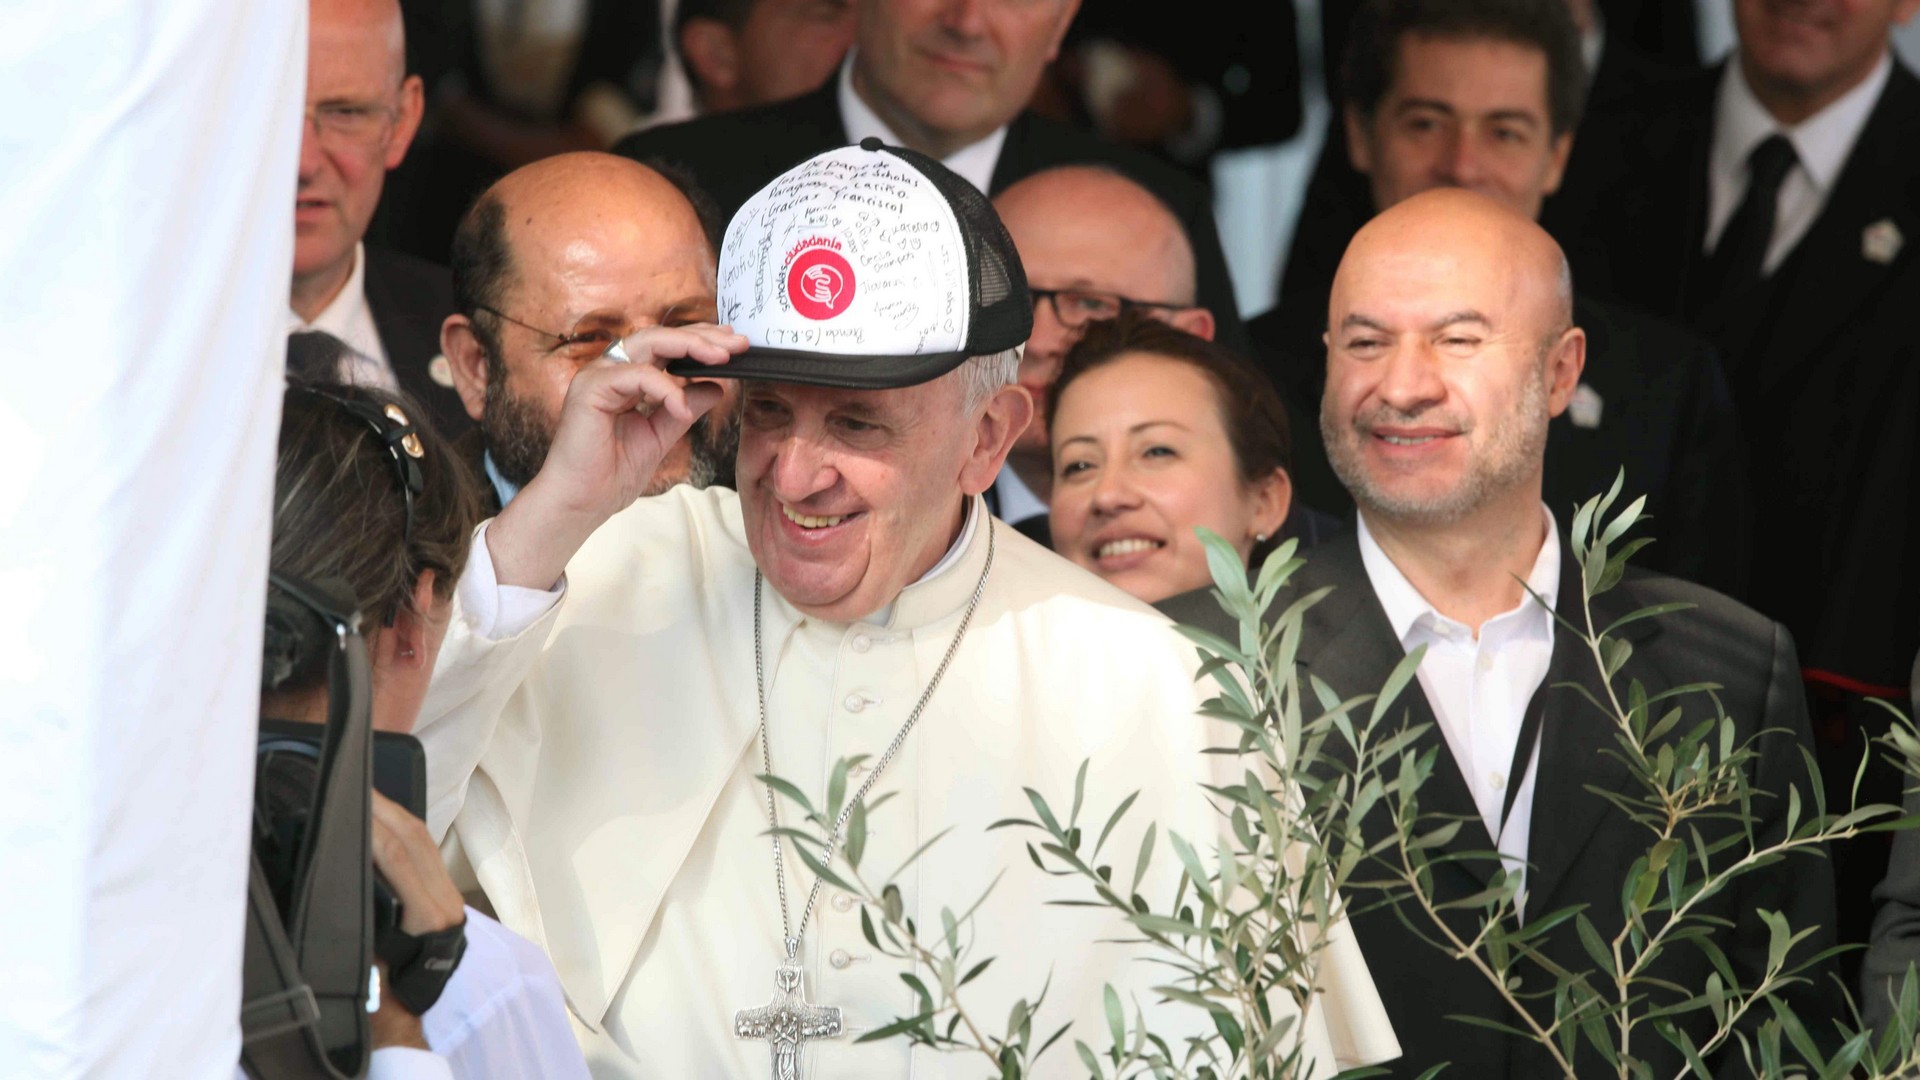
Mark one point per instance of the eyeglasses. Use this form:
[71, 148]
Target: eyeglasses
[348, 123]
[396, 432]
[1075, 308]
[581, 346]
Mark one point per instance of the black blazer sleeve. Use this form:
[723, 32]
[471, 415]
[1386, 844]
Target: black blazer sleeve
[1896, 925]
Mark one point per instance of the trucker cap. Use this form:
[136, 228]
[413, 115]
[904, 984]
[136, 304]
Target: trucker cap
[869, 267]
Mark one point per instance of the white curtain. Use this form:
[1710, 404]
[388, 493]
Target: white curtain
[148, 152]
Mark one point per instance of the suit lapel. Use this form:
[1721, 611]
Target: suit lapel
[1577, 741]
[1349, 644]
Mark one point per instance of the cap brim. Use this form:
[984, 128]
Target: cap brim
[825, 369]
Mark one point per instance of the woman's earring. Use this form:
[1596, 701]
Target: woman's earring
[1259, 538]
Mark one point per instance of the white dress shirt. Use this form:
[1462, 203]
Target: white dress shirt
[1479, 687]
[1017, 500]
[348, 318]
[974, 162]
[1822, 143]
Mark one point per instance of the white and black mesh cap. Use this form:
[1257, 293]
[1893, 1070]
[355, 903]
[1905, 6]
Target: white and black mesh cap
[870, 267]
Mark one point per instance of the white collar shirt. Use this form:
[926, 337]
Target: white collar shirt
[1821, 143]
[974, 163]
[1479, 687]
[348, 318]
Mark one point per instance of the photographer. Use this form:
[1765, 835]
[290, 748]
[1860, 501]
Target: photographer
[367, 496]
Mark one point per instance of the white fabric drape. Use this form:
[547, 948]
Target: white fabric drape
[147, 161]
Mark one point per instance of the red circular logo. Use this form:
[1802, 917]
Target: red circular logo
[820, 283]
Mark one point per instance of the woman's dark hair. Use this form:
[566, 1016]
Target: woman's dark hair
[340, 507]
[1250, 408]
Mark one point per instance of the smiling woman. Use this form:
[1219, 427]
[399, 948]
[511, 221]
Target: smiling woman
[1157, 433]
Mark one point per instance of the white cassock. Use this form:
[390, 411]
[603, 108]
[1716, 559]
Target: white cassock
[594, 774]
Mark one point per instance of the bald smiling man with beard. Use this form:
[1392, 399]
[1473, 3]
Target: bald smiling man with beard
[1450, 346]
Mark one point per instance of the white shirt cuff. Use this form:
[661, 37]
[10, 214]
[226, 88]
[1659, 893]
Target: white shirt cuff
[494, 611]
[408, 1063]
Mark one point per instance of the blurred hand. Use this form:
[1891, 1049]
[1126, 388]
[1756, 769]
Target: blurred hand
[616, 425]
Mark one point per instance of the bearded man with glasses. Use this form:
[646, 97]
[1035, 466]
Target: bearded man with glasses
[552, 267]
[363, 111]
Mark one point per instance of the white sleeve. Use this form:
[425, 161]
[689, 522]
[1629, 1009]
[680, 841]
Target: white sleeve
[494, 638]
[495, 611]
[502, 1015]
[407, 1063]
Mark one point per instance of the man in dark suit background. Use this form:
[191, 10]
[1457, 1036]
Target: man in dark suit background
[1774, 204]
[950, 81]
[1624, 53]
[1484, 94]
[363, 110]
[1451, 346]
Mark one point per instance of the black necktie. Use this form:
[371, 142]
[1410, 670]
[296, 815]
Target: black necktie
[1737, 261]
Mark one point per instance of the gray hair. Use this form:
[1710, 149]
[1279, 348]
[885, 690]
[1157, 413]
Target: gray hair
[980, 376]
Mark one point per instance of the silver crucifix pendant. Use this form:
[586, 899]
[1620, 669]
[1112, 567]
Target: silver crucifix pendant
[788, 1020]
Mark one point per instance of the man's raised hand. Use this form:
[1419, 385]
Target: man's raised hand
[616, 426]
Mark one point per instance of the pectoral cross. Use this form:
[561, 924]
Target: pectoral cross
[788, 1020]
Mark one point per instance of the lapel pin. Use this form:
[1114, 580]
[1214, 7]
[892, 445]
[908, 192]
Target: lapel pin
[1584, 409]
[440, 371]
[1881, 241]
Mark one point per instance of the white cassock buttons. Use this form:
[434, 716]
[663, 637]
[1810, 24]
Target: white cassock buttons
[855, 703]
[843, 901]
[1486, 661]
[1497, 781]
[839, 958]
[861, 643]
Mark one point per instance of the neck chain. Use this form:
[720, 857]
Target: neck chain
[791, 930]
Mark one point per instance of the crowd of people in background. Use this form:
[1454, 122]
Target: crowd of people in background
[1543, 243]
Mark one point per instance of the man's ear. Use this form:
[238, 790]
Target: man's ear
[1197, 321]
[1067, 12]
[1359, 148]
[1006, 415]
[468, 360]
[712, 59]
[1562, 150]
[1565, 361]
[413, 106]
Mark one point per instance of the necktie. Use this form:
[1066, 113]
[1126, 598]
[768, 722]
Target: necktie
[1737, 261]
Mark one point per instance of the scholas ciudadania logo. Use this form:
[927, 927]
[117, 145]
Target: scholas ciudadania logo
[819, 279]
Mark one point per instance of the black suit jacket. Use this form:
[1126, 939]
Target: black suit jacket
[1822, 360]
[1665, 416]
[732, 155]
[409, 299]
[1581, 849]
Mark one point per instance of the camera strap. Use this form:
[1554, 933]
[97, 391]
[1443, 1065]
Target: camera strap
[304, 1009]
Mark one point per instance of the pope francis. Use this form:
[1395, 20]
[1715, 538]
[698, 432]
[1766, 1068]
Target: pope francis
[618, 673]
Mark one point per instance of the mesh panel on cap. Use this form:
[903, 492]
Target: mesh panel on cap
[1002, 307]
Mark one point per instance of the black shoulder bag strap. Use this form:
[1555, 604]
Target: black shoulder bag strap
[303, 1013]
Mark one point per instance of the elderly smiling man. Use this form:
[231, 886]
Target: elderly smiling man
[595, 741]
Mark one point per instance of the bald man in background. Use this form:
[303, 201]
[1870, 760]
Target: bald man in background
[555, 263]
[363, 111]
[1093, 243]
[1450, 347]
